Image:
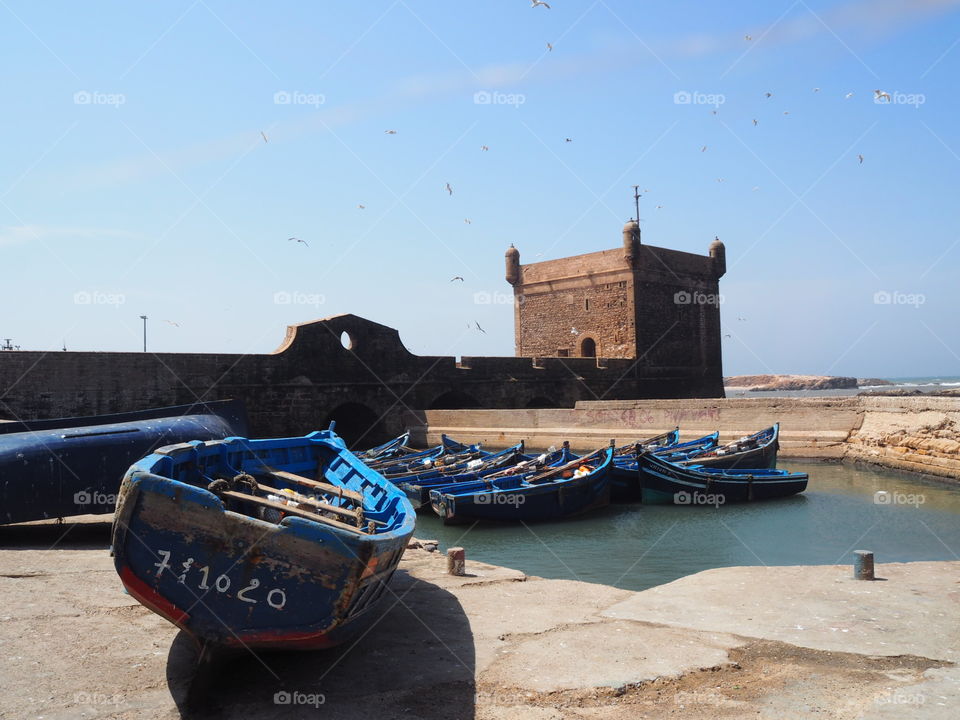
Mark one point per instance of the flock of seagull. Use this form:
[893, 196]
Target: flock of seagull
[880, 96]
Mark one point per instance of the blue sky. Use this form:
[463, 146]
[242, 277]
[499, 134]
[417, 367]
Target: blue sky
[135, 180]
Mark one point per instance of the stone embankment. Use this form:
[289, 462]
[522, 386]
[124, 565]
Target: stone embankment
[920, 434]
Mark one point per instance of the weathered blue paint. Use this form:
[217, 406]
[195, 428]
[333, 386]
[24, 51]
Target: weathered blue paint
[73, 466]
[224, 575]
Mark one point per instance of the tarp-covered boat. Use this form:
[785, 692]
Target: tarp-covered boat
[260, 543]
[73, 466]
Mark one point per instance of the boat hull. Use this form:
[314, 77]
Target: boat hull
[61, 468]
[234, 580]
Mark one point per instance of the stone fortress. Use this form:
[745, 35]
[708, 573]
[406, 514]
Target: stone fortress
[631, 323]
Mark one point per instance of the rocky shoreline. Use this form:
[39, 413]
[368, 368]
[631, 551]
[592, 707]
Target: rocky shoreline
[771, 383]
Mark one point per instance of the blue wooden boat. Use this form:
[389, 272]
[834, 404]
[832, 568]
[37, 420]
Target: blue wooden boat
[625, 472]
[552, 494]
[388, 449]
[512, 461]
[260, 543]
[73, 466]
[665, 440]
[753, 451]
[665, 482]
[415, 460]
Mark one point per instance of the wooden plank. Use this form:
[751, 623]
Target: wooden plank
[316, 484]
[320, 505]
[287, 510]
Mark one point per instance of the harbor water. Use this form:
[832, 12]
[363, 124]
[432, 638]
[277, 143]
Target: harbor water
[899, 516]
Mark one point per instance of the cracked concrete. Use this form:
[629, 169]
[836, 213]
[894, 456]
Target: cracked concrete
[731, 642]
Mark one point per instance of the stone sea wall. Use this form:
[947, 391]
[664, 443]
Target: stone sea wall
[919, 434]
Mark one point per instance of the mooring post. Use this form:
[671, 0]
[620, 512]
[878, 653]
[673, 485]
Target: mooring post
[456, 560]
[863, 565]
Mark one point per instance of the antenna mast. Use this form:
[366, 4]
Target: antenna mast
[636, 202]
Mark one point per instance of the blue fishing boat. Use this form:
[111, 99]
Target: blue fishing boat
[73, 466]
[260, 543]
[664, 482]
[625, 472]
[418, 460]
[551, 494]
[752, 451]
[512, 461]
[667, 439]
[388, 449]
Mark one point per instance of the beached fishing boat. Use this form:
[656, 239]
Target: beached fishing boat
[73, 466]
[625, 472]
[260, 543]
[753, 451]
[550, 494]
[665, 482]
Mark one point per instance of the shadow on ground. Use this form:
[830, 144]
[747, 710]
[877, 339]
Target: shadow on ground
[417, 661]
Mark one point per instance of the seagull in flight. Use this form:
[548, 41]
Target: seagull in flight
[468, 221]
[549, 47]
[879, 95]
[171, 322]
[362, 207]
[574, 331]
[755, 122]
[536, 3]
[264, 136]
[568, 139]
[747, 38]
[449, 189]
[769, 94]
[298, 240]
[848, 96]
[478, 324]
[484, 148]
[390, 132]
[860, 158]
[703, 149]
[456, 277]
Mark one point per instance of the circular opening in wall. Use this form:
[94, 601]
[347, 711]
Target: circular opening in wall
[346, 340]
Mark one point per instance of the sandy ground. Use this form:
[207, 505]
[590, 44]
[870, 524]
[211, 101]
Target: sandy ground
[729, 643]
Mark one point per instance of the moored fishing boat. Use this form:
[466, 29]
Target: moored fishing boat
[665, 482]
[752, 451]
[260, 543]
[73, 466]
[388, 449]
[513, 461]
[551, 494]
[625, 471]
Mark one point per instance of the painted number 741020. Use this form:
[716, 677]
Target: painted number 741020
[275, 598]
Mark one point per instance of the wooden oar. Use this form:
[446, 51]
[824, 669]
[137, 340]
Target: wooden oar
[355, 515]
[340, 492]
[288, 510]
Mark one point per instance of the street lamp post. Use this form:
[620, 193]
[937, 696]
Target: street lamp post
[144, 318]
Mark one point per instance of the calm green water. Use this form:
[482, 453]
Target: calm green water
[638, 546]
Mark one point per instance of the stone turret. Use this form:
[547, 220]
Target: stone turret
[718, 254]
[631, 242]
[513, 265]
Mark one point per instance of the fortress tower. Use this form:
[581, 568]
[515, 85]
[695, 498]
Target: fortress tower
[659, 306]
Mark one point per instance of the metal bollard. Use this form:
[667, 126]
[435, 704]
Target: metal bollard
[456, 560]
[863, 565]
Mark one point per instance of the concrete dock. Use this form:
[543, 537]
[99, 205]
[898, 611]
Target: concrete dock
[758, 642]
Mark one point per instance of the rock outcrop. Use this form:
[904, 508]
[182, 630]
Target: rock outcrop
[765, 383]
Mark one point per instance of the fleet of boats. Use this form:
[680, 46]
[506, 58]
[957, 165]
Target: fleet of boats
[291, 542]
